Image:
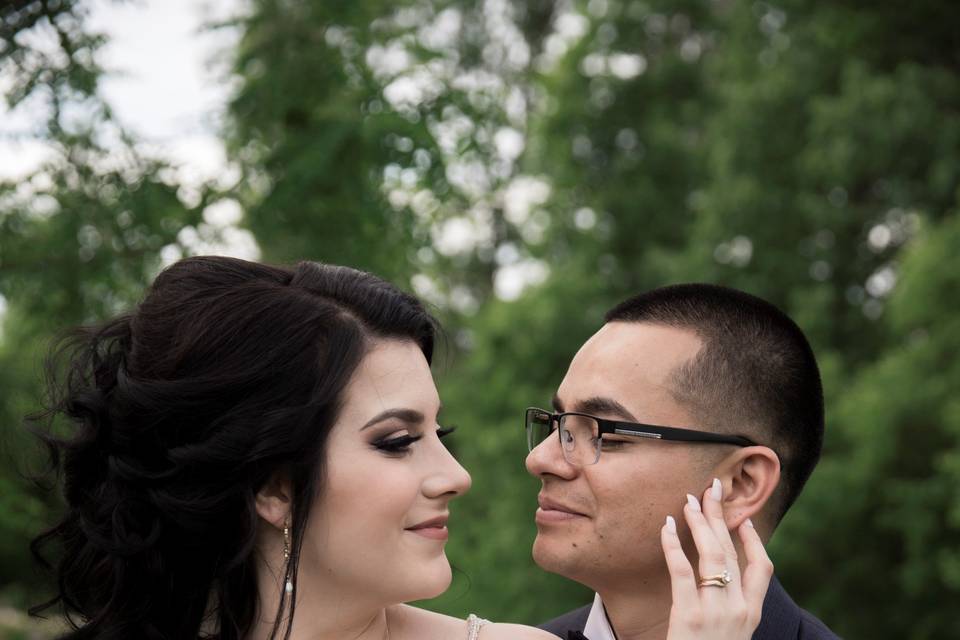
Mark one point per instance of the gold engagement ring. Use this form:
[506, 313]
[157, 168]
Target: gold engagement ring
[720, 580]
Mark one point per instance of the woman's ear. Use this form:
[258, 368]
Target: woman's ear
[273, 500]
[753, 474]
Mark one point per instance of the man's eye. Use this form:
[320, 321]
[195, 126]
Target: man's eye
[607, 443]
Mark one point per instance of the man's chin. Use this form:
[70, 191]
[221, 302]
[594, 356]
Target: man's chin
[553, 555]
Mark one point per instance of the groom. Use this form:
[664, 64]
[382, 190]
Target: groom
[700, 357]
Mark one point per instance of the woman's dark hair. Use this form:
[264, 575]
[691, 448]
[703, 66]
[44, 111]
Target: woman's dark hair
[227, 373]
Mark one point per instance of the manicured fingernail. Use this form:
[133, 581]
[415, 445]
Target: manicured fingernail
[716, 491]
[671, 524]
[694, 503]
[749, 523]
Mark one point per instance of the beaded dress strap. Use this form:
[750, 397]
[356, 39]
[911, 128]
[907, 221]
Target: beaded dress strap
[473, 626]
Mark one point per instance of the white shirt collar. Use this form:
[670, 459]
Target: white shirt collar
[598, 627]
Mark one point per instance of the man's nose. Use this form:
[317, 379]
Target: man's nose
[547, 458]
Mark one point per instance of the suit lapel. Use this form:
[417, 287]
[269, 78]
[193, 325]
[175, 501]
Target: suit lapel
[780, 619]
[576, 620]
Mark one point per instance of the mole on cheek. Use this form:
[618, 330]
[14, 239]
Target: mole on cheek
[574, 544]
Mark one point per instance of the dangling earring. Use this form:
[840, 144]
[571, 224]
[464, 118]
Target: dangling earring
[288, 587]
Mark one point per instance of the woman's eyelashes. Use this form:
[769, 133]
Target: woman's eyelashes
[401, 444]
[396, 444]
[445, 431]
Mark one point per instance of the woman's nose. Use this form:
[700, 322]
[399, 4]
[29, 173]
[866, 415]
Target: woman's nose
[450, 479]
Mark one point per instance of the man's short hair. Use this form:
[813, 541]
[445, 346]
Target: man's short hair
[755, 375]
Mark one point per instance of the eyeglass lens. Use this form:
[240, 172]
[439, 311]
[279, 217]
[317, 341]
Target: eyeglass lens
[578, 436]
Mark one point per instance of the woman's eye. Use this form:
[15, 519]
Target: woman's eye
[399, 444]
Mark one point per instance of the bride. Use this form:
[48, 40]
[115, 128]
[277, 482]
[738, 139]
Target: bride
[254, 454]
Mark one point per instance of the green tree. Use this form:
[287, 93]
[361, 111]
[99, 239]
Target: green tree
[806, 152]
[80, 237]
[888, 491]
[787, 152]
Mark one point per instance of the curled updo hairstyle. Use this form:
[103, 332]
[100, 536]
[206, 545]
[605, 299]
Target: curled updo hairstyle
[163, 424]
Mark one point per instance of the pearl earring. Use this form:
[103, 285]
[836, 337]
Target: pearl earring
[288, 587]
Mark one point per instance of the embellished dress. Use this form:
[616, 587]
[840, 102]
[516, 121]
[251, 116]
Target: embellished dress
[473, 626]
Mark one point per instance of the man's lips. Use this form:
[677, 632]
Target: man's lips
[434, 528]
[553, 511]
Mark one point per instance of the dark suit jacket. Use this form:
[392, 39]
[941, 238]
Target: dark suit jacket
[781, 619]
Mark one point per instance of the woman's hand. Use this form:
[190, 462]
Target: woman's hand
[730, 612]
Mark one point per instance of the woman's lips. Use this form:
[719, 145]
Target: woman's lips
[434, 533]
[434, 529]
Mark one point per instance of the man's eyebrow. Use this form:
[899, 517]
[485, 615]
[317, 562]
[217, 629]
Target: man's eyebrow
[557, 404]
[604, 406]
[406, 415]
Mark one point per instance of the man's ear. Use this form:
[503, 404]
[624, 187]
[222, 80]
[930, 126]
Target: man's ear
[273, 500]
[753, 474]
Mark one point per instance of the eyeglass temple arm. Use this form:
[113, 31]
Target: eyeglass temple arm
[671, 433]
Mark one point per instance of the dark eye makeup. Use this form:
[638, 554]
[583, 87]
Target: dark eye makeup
[401, 444]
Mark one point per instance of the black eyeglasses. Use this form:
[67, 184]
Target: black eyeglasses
[581, 435]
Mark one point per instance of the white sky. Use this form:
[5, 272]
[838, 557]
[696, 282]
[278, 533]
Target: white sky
[164, 83]
[167, 83]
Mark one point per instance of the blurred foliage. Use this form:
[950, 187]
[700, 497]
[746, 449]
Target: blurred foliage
[806, 152]
[79, 237]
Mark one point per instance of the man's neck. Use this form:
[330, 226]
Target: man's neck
[638, 611]
[641, 610]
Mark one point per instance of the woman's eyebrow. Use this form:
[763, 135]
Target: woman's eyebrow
[406, 415]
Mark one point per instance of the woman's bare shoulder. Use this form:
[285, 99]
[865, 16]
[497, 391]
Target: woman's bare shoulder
[505, 631]
[413, 622]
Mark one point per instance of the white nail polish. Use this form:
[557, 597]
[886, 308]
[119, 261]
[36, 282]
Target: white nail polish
[716, 491]
[693, 502]
[749, 523]
[671, 524]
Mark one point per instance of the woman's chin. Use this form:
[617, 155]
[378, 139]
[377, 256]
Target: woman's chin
[432, 582]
